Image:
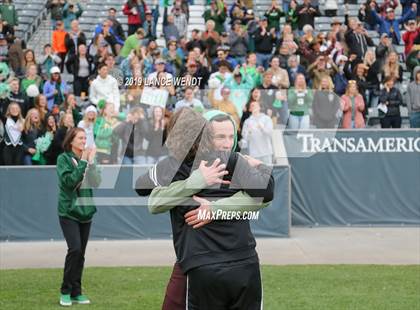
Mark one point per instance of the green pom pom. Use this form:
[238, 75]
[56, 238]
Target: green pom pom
[101, 104]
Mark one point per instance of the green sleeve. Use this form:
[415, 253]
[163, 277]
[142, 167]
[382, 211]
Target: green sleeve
[240, 201]
[164, 198]
[69, 175]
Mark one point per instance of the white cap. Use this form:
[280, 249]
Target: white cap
[55, 69]
[340, 58]
[91, 108]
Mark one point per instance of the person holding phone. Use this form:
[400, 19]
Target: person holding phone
[77, 174]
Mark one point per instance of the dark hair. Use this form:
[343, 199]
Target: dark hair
[112, 9]
[389, 78]
[101, 65]
[70, 135]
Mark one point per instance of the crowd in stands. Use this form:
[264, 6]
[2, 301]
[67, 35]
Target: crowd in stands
[262, 72]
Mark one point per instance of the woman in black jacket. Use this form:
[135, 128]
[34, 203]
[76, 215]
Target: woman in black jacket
[82, 66]
[390, 97]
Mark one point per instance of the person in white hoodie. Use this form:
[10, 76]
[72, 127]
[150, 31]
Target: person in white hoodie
[104, 87]
[256, 134]
[88, 123]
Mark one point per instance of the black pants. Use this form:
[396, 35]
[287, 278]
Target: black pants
[63, 58]
[225, 286]
[391, 122]
[132, 28]
[76, 235]
[13, 155]
[80, 84]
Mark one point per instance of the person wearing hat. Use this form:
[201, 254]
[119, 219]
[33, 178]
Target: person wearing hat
[217, 15]
[412, 31]
[149, 26]
[55, 89]
[384, 48]
[132, 42]
[223, 54]
[389, 24]
[59, 42]
[88, 123]
[173, 56]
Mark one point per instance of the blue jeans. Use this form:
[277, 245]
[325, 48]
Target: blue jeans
[27, 160]
[415, 120]
[263, 59]
[298, 122]
[136, 160]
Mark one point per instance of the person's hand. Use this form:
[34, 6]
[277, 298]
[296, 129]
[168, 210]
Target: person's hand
[32, 151]
[91, 155]
[191, 217]
[55, 92]
[213, 174]
[85, 154]
[414, 7]
[252, 161]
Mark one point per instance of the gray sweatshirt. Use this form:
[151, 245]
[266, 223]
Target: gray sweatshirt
[413, 94]
[257, 132]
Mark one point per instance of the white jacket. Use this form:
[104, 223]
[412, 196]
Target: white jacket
[105, 89]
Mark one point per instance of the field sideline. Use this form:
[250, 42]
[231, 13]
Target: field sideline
[285, 287]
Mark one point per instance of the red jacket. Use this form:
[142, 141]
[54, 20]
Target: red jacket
[408, 38]
[133, 19]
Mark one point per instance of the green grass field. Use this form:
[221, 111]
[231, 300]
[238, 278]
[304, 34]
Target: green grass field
[285, 287]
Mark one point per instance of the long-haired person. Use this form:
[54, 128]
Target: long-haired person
[88, 123]
[390, 97]
[13, 148]
[65, 124]
[32, 130]
[300, 100]
[55, 89]
[43, 143]
[156, 136]
[77, 175]
[353, 107]
[326, 105]
[41, 104]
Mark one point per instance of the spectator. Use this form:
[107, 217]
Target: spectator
[17, 96]
[389, 24]
[88, 123]
[31, 78]
[413, 99]
[149, 25]
[353, 107]
[110, 38]
[32, 130]
[41, 104]
[406, 5]
[413, 59]
[70, 106]
[56, 9]
[4, 49]
[196, 41]
[180, 21]
[357, 38]
[59, 42]
[366, 16]
[240, 85]
[292, 17]
[198, 71]
[174, 57]
[280, 76]
[44, 142]
[359, 75]
[28, 59]
[71, 12]
[390, 100]
[105, 87]
[257, 134]
[116, 26]
[340, 78]
[326, 105]
[156, 136]
[132, 42]
[48, 60]
[211, 39]
[13, 148]
[8, 13]
[56, 148]
[269, 102]
[392, 68]
[306, 13]
[135, 11]
[238, 42]
[412, 31]
[300, 100]
[294, 68]
[393, 4]
[170, 30]
[132, 134]
[322, 67]
[264, 43]
[373, 72]
[74, 39]
[384, 48]
[223, 55]
[224, 104]
[82, 66]
[55, 89]
[103, 129]
[190, 101]
[217, 15]
[15, 57]
[273, 15]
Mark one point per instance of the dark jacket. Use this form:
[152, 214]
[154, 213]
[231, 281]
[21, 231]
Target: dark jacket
[221, 240]
[392, 100]
[73, 64]
[72, 174]
[264, 43]
[355, 46]
[68, 41]
[307, 17]
[325, 107]
[132, 136]
[56, 9]
[29, 138]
